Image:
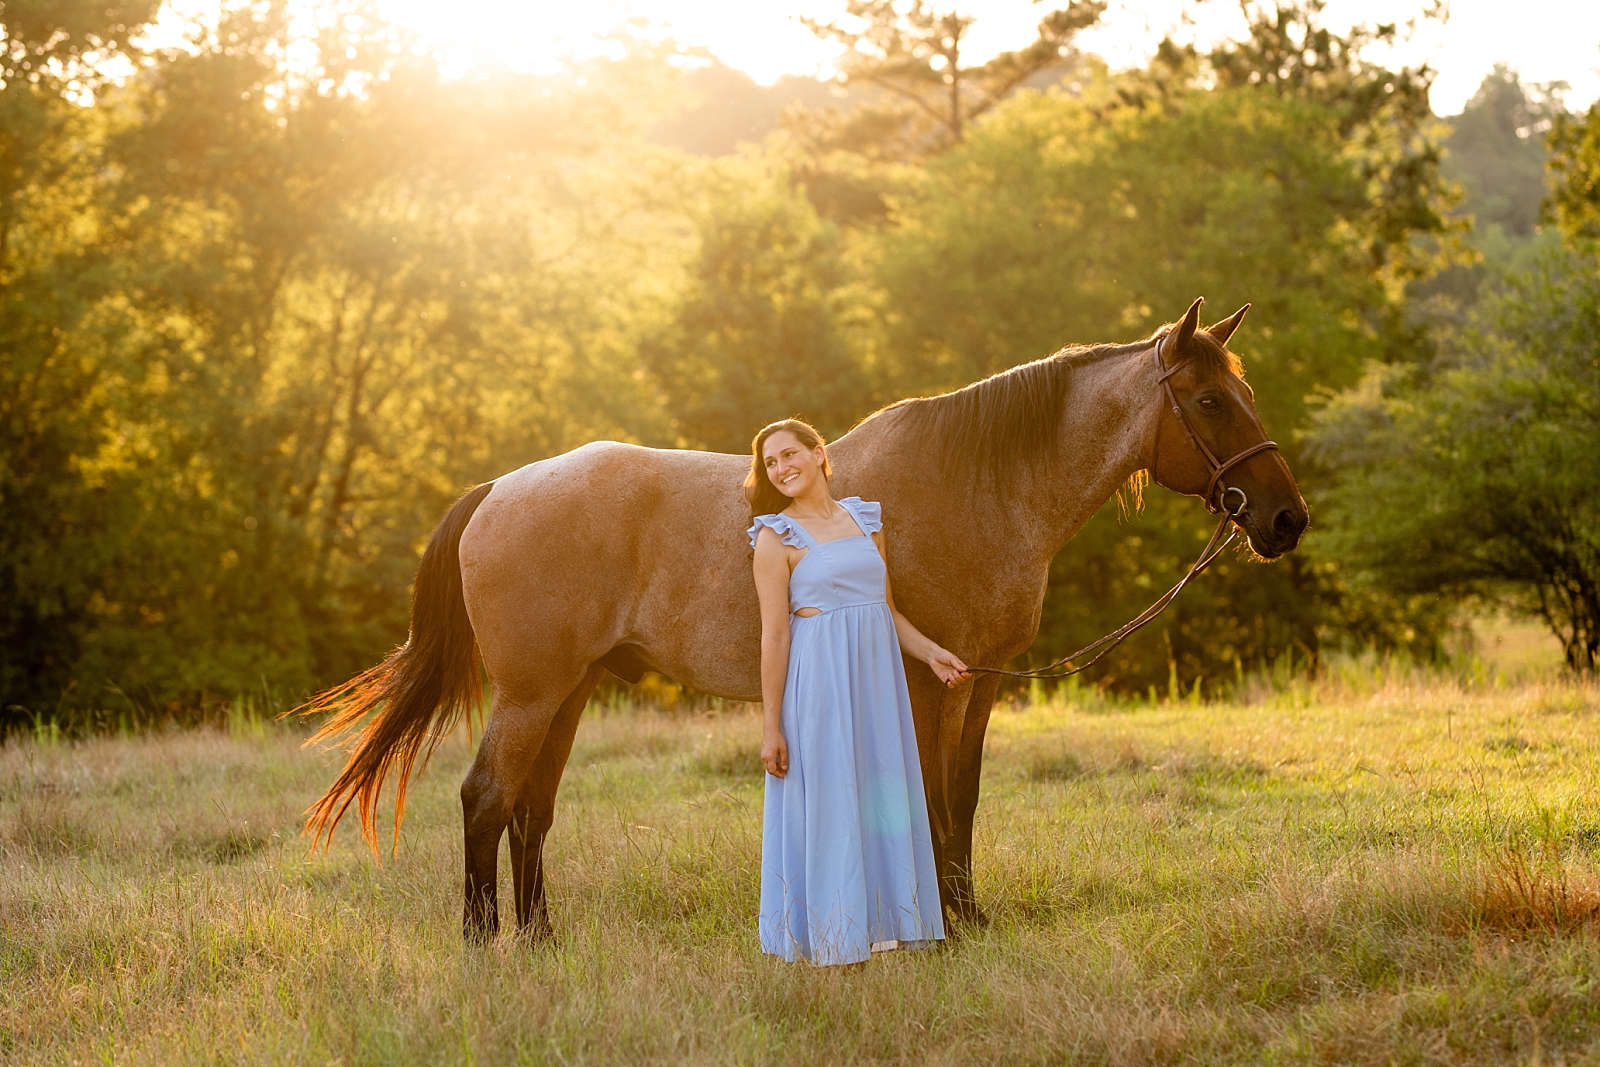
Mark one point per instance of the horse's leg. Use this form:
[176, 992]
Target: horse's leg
[950, 775]
[963, 800]
[535, 809]
[928, 699]
[518, 723]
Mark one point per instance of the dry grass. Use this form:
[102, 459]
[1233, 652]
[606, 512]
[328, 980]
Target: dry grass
[1376, 867]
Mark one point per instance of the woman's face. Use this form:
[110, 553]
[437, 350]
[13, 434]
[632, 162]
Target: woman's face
[793, 468]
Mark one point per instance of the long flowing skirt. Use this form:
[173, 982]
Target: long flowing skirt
[846, 854]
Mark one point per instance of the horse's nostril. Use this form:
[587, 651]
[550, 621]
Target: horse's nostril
[1287, 525]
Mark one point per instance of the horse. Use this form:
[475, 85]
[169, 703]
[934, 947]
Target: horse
[616, 557]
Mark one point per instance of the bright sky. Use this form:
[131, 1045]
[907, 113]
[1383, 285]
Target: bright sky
[1544, 40]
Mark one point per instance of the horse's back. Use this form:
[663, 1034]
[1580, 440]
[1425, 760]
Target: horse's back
[616, 545]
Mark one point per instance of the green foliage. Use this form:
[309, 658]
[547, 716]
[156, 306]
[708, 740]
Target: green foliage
[1059, 223]
[62, 45]
[1065, 219]
[1575, 174]
[1475, 477]
[318, 313]
[1497, 151]
[723, 108]
[1480, 475]
[763, 328]
[1382, 116]
[63, 466]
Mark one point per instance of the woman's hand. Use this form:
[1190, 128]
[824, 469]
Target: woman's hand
[947, 666]
[775, 754]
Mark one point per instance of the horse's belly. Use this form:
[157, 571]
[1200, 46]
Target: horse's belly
[700, 624]
[713, 657]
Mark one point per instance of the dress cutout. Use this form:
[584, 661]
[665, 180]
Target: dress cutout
[846, 852]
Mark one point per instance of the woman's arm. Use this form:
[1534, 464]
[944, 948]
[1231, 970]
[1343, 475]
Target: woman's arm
[772, 589]
[913, 642]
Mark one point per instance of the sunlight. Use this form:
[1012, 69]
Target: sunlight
[1551, 40]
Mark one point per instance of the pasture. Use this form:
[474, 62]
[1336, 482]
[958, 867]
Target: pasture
[1378, 866]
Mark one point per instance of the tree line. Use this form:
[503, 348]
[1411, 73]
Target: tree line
[270, 301]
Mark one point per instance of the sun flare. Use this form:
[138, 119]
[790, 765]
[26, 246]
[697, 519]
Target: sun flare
[1550, 41]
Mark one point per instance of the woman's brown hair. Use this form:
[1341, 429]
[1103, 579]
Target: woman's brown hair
[762, 496]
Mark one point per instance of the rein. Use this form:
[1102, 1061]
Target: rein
[1210, 552]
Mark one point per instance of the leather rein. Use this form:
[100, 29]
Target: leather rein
[1214, 503]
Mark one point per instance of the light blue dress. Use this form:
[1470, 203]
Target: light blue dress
[846, 855]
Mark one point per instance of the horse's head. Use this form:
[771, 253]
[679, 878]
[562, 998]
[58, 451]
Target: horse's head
[1208, 440]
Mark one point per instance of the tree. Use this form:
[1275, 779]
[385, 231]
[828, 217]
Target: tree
[912, 54]
[61, 461]
[910, 97]
[1497, 151]
[769, 325]
[1480, 477]
[1477, 477]
[1383, 117]
[1299, 184]
[323, 299]
[1575, 175]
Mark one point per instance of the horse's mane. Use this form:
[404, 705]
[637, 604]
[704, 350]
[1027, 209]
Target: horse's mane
[1009, 421]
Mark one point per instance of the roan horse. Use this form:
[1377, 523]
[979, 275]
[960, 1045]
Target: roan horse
[621, 558]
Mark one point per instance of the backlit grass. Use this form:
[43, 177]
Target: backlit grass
[1374, 867]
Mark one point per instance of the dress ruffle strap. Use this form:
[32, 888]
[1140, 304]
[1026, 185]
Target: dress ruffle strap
[868, 513]
[786, 528]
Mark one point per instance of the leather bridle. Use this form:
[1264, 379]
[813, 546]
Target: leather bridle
[1218, 467]
[1215, 504]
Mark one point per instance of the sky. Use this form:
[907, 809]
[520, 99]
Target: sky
[1544, 40]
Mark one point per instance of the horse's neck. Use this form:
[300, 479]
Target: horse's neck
[1108, 411]
[1105, 422]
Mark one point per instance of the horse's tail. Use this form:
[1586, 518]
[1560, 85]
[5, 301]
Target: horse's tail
[431, 679]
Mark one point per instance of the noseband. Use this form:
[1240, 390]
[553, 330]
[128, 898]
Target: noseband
[1218, 467]
[1077, 661]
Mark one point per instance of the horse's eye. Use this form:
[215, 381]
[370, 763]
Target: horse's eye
[1209, 403]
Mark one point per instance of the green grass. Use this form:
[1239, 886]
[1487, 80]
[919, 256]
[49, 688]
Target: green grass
[1375, 867]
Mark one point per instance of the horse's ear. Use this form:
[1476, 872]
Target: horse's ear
[1186, 328]
[1221, 331]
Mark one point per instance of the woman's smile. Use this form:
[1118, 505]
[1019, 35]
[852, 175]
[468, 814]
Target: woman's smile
[792, 467]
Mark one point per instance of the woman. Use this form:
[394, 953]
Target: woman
[846, 856]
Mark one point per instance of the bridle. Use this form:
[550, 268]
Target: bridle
[1218, 467]
[1214, 503]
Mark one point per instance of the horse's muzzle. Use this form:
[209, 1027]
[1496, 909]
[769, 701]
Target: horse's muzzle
[1282, 534]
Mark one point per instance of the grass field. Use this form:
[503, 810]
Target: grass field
[1373, 867]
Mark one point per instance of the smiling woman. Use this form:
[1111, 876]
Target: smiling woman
[847, 866]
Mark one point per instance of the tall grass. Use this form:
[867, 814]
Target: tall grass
[1381, 864]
